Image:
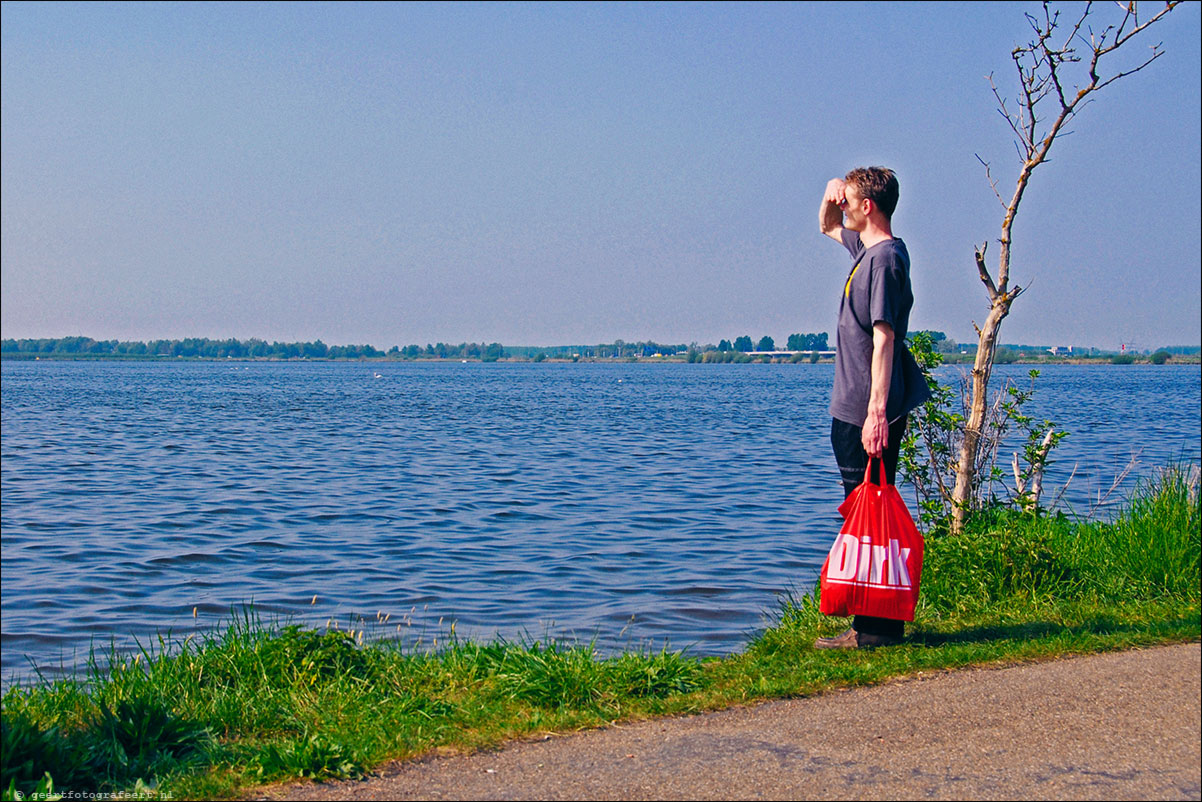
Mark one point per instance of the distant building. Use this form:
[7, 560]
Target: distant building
[1061, 350]
[828, 353]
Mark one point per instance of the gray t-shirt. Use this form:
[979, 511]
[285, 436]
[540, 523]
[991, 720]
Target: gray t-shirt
[877, 291]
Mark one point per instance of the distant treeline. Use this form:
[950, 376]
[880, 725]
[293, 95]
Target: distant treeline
[205, 348]
[618, 349]
[254, 348]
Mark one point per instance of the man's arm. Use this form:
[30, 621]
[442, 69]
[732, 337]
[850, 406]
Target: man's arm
[830, 214]
[875, 436]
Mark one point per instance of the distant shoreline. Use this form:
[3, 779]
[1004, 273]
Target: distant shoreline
[812, 348]
[1184, 359]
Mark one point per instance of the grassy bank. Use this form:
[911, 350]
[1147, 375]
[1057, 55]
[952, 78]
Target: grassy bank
[252, 704]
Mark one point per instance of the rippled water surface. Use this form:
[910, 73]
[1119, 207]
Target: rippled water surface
[633, 504]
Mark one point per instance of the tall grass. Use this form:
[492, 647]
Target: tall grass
[1152, 548]
[1149, 552]
[255, 702]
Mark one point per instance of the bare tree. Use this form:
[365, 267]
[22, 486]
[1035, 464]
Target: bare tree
[1054, 58]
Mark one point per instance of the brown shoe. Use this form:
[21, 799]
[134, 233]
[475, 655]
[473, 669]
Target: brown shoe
[855, 640]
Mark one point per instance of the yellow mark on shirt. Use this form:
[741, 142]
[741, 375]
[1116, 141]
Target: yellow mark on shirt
[847, 286]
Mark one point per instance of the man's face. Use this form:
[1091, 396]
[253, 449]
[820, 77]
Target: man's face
[855, 209]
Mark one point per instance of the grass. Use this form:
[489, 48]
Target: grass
[251, 703]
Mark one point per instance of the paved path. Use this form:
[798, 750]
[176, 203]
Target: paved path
[1123, 725]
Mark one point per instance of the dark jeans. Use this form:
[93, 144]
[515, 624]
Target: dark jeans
[853, 462]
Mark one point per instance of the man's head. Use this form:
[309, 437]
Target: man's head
[875, 184]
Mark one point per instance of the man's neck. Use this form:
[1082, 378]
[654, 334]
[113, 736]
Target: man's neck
[875, 233]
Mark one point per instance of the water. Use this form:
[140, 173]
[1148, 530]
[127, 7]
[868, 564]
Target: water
[637, 505]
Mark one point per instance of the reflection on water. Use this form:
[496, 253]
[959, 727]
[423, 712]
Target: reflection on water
[630, 504]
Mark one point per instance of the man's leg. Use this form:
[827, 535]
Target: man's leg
[853, 462]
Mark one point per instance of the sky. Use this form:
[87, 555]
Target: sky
[538, 174]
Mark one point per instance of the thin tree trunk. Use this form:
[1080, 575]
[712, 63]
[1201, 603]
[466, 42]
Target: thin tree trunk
[982, 368]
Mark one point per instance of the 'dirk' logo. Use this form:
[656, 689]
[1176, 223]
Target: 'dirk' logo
[857, 562]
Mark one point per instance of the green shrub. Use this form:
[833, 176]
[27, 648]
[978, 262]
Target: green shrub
[130, 739]
[654, 676]
[30, 752]
[314, 756]
[551, 675]
[1160, 357]
[43, 790]
[311, 657]
[1001, 554]
[1122, 359]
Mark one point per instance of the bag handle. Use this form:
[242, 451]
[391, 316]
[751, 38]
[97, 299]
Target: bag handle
[881, 475]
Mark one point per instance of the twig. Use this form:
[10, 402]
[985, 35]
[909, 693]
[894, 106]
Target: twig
[1117, 481]
[1064, 489]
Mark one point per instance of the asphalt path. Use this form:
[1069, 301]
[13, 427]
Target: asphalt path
[1122, 725]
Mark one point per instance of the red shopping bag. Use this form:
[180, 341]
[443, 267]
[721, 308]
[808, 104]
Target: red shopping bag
[876, 562]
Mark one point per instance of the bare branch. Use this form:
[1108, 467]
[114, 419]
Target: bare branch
[1076, 31]
[944, 493]
[1015, 125]
[992, 183]
[986, 279]
[1064, 489]
[1129, 14]
[1042, 79]
[1021, 155]
[1155, 55]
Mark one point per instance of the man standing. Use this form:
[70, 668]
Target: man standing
[877, 381]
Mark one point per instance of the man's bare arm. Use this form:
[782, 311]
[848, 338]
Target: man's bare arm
[875, 436]
[830, 215]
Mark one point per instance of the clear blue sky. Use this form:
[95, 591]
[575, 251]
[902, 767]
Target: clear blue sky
[565, 173]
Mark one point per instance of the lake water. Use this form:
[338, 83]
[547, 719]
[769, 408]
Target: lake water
[637, 505]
